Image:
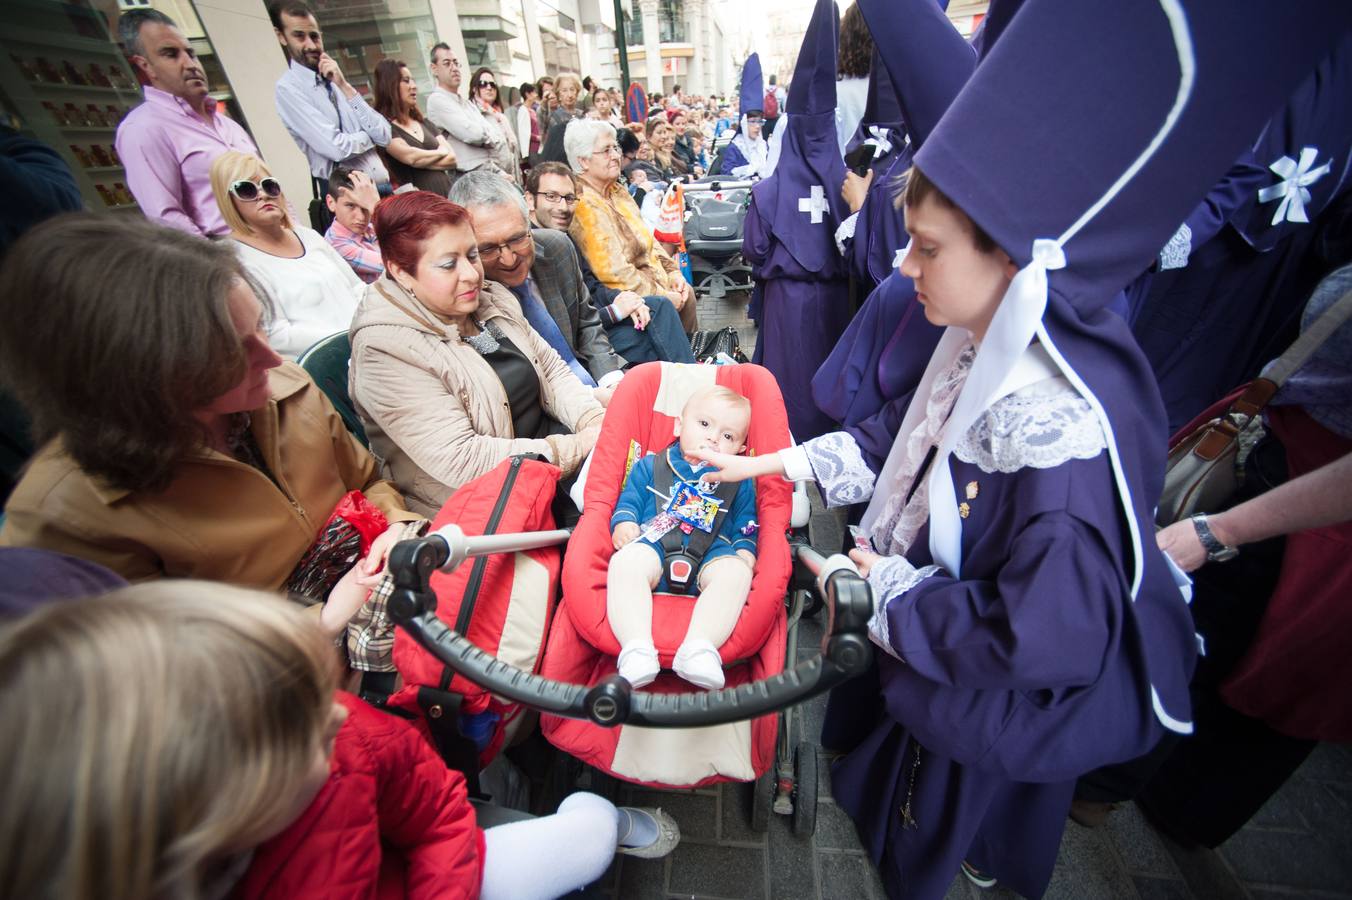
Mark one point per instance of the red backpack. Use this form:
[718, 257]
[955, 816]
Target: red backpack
[771, 105]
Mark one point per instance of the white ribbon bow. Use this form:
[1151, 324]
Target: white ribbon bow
[878, 140]
[1293, 189]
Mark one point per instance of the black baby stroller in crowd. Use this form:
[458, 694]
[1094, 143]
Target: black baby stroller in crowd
[716, 210]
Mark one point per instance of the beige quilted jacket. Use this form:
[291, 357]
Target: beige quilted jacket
[435, 412]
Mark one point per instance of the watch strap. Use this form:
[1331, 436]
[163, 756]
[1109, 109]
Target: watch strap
[1215, 550]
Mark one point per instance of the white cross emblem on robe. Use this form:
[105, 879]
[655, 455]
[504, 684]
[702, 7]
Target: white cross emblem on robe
[878, 140]
[814, 204]
[1293, 190]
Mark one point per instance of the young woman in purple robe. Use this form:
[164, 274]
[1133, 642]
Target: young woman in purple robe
[1032, 643]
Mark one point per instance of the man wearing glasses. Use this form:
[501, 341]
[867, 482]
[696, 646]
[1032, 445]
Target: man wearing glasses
[540, 268]
[474, 142]
[325, 115]
[642, 329]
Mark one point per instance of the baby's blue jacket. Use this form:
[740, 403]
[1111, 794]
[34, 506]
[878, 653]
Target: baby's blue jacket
[637, 504]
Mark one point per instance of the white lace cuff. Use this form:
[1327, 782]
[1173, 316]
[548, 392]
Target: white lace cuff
[839, 469]
[1175, 253]
[845, 232]
[891, 577]
[610, 379]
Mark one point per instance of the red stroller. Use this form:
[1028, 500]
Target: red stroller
[671, 734]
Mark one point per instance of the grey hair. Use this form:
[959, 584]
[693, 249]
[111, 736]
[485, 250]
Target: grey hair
[129, 28]
[487, 188]
[579, 139]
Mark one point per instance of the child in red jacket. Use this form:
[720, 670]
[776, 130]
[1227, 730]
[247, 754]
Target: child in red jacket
[184, 740]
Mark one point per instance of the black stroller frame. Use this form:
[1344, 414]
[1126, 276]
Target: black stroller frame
[789, 786]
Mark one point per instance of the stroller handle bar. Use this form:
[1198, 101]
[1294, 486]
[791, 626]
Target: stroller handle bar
[460, 546]
[696, 187]
[845, 648]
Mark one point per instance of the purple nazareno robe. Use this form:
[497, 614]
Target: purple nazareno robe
[789, 236]
[1211, 325]
[1052, 638]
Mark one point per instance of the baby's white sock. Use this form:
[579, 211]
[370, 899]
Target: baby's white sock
[637, 663]
[698, 662]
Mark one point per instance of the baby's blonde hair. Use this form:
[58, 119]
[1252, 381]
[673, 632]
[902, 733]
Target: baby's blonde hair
[232, 166]
[721, 394]
[152, 733]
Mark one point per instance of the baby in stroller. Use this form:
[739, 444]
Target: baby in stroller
[675, 531]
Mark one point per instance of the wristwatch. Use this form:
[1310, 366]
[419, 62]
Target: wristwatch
[1215, 550]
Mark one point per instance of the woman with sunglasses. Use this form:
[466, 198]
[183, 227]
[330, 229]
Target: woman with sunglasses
[484, 93]
[314, 289]
[418, 152]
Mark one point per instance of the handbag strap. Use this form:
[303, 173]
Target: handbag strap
[1262, 389]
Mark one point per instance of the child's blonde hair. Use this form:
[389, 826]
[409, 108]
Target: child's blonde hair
[722, 394]
[151, 733]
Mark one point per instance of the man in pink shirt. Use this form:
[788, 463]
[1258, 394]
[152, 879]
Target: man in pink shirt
[169, 142]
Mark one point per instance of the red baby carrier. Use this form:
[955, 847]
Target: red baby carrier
[581, 647]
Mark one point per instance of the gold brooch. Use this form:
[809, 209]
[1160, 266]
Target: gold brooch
[964, 510]
[972, 490]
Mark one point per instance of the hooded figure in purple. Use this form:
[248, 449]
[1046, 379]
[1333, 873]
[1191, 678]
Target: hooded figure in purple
[789, 233]
[926, 64]
[1231, 283]
[748, 154]
[1028, 627]
[866, 382]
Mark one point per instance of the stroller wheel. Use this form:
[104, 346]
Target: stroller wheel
[812, 604]
[762, 793]
[805, 793]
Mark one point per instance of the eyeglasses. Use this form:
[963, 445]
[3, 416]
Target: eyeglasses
[607, 150]
[484, 84]
[490, 252]
[249, 191]
[555, 197]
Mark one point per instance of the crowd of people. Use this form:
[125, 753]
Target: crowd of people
[993, 405]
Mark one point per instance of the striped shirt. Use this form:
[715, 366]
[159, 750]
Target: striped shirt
[360, 250]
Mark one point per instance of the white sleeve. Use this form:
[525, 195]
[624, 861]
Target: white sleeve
[836, 465]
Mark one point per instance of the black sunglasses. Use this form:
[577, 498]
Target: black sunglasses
[484, 84]
[249, 191]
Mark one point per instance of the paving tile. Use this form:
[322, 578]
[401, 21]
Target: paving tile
[1280, 813]
[843, 876]
[1136, 842]
[835, 830]
[643, 879]
[1328, 762]
[713, 871]
[1323, 811]
[1088, 869]
[735, 816]
[1288, 859]
[1162, 888]
[697, 814]
[791, 861]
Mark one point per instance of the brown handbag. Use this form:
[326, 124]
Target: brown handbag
[1206, 466]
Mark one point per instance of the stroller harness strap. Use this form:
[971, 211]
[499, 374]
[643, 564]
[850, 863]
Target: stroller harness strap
[680, 559]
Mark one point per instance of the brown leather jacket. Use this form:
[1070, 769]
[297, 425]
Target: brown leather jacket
[219, 519]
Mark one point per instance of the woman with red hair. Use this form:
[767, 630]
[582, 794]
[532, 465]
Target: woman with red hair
[447, 375]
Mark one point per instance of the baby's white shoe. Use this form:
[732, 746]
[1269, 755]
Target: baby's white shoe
[698, 662]
[638, 664]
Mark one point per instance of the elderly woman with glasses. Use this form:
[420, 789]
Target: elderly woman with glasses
[447, 374]
[484, 93]
[314, 290]
[609, 230]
